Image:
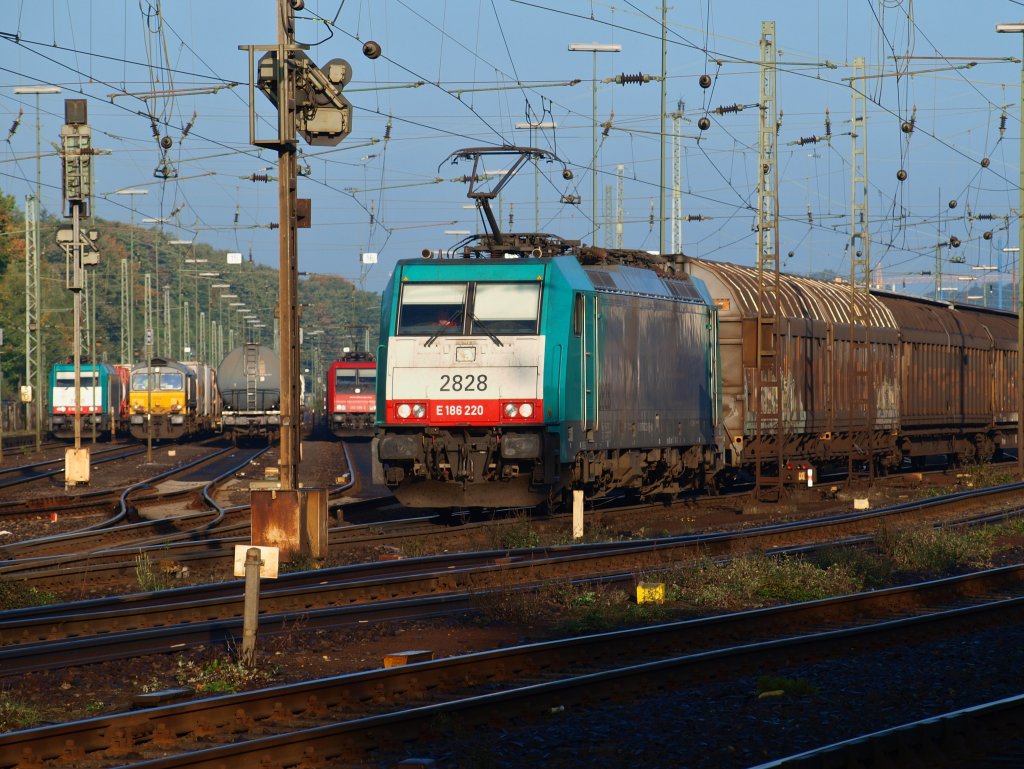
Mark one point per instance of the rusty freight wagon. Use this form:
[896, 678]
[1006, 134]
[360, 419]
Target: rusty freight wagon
[958, 368]
[924, 377]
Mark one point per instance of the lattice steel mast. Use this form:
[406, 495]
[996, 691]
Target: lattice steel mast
[861, 408]
[768, 386]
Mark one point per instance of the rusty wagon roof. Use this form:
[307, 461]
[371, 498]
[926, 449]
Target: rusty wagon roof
[799, 297]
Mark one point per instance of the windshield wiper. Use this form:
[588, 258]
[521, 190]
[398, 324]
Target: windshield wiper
[449, 322]
[483, 327]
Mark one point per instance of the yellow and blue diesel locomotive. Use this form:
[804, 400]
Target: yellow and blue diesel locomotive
[509, 380]
[171, 400]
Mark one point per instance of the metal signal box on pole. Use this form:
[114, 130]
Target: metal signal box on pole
[309, 103]
[76, 164]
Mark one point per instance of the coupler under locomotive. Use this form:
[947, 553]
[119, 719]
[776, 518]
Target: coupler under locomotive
[467, 468]
[165, 427]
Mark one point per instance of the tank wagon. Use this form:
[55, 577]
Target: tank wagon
[536, 365]
[351, 395]
[250, 387]
[103, 398]
[179, 399]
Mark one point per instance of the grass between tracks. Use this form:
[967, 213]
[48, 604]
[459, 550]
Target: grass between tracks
[707, 586]
[16, 595]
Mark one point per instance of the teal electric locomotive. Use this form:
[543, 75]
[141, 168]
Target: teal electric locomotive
[526, 369]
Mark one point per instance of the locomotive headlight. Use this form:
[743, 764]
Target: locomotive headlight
[510, 410]
[526, 410]
[419, 411]
[404, 410]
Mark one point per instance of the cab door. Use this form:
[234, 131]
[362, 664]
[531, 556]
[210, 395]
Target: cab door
[585, 320]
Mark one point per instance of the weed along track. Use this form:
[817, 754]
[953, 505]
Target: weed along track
[374, 714]
[444, 575]
[354, 717]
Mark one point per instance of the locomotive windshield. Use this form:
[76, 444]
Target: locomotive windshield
[431, 307]
[67, 379]
[458, 309]
[162, 380]
[354, 380]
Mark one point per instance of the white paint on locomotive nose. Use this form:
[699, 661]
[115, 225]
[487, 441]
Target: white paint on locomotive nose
[465, 354]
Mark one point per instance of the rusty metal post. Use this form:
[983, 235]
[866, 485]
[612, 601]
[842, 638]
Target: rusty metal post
[251, 609]
[288, 295]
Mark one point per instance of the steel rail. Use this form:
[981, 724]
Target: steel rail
[418, 577]
[15, 476]
[96, 536]
[50, 572]
[962, 737]
[563, 672]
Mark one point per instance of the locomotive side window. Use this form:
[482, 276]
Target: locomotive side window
[432, 308]
[577, 315]
[506, 308]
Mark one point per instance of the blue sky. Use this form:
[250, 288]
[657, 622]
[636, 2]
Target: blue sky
[487, 65]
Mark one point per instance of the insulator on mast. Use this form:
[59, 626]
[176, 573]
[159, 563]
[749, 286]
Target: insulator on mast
[14, 125]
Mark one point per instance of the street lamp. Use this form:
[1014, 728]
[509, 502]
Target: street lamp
[33, 286]
[534, 126]
[595, 48]
[1019, 28]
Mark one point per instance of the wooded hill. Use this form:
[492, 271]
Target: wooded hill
[329, 303]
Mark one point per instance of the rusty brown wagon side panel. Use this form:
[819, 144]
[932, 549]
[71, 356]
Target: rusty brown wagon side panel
[958, 381]
[814, 338]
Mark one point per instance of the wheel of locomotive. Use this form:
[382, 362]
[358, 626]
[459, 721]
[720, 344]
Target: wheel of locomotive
[711, 485]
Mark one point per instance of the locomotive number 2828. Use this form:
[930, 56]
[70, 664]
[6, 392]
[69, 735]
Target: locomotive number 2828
[463, 383]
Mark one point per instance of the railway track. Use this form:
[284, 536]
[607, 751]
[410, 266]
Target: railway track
[213, 611]
[16, 476]
[378, 712]
[979, 737]
[189, 479]
[212, 558]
